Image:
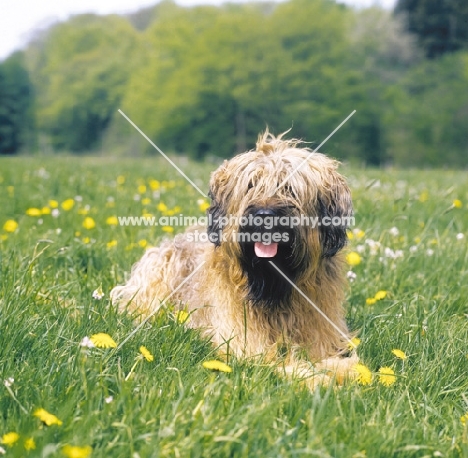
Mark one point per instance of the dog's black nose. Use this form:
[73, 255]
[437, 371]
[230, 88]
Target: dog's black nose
[265, 212]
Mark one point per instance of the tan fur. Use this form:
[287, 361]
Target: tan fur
[216, 294]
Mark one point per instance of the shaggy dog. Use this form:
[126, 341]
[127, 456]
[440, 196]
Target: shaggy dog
[257, 287]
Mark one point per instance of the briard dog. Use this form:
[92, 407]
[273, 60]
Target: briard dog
[264, 281]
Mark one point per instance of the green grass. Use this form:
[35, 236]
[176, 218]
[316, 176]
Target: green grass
[173, 406]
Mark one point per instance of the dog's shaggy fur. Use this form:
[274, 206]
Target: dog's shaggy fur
[238, 298]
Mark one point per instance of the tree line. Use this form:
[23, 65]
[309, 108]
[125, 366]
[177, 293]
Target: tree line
[204, 81]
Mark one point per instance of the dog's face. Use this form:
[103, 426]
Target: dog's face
[269, 206]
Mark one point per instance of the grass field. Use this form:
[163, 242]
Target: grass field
[57, 246]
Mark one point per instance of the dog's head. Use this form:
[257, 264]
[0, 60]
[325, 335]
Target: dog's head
[278, 204]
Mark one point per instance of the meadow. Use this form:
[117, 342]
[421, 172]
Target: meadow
[61, 252]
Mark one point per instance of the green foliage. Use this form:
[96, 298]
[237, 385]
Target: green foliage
[80, 69]
[204, 81]
[50, 266]
[433, 100]
[16, 105]
[441, 25]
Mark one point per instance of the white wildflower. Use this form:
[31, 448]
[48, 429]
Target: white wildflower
[87, 343]
[55, 212]
[413, 249]
[98, 293]
[460, 236]
[394, 231]
[109, 399]
[389, 253]
[429, 252]
[351, 276]
[373, 245]
[9, 381]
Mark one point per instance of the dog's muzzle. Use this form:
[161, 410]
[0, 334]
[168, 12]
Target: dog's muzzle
[264, 230]
[264, 249]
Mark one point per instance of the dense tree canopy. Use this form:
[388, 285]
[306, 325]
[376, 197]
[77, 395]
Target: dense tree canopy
[16, 103]
[204, 81]
[441, 25]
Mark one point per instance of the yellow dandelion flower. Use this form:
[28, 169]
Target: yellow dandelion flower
[46, 417]
[33, 212]
[68, 204]
[111, 244]
[46, 210]
[464, 419]
[457, 203]
[83, 211]
[145, 214]
[379, 295]
[349, 234]
[53, 203]
[169, 212]
[203, 206]
[10, 439]
[417, 239]
[424, 196]
[168, 229]
[182, 316]
[112, 221]
[399, 354]
[364, 374]
[86, 240]
[146, 201]
[162, 207]
[146, 354]
[154, 185]
[30, 444]
[10, 226]
[387, 376]
[177, 209]
[354, 343]
[3, 237]
[217, 366]
[353, 258]
[103, 340]
[73, 451]
[359, 233]
[371, 301]
[141, 189]
[89, 223]
[120, 179]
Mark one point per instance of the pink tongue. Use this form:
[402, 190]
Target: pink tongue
[265, 251]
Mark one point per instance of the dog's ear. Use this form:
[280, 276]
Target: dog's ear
[334, 207]
[215, 214]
